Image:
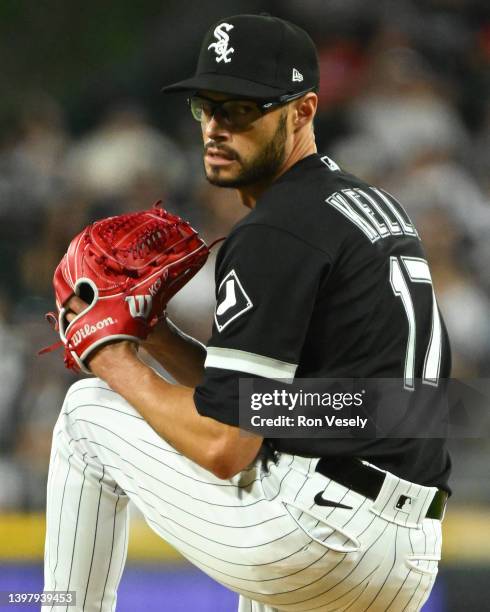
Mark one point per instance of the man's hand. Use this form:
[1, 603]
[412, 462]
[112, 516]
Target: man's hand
[75, 305]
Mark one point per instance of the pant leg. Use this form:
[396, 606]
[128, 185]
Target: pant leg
[104, 453]
[86, 526]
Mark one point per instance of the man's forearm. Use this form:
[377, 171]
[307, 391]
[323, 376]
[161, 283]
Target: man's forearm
[171, 412]
[182, 357]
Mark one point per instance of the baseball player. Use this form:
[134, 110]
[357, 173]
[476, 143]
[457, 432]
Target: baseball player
[324, 278]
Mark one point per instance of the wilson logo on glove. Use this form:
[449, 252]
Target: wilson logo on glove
[139, 305]
[88, 330]
[126, 269]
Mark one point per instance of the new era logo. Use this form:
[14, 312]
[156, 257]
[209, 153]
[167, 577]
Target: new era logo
[297, 76]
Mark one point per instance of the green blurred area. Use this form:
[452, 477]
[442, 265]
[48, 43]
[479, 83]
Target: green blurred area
[73, 50]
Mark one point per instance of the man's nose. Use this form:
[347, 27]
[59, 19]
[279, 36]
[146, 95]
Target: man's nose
[215, 128]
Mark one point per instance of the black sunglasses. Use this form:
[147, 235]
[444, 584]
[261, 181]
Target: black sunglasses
[237, 113]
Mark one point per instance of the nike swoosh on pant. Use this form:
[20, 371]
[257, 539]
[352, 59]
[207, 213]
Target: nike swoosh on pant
[321, 501]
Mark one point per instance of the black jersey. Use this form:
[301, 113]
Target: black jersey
[326, 277]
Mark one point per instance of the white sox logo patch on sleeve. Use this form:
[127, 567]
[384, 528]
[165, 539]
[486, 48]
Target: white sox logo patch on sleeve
[232, 301]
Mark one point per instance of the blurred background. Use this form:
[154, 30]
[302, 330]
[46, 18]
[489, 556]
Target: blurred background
[84, 133]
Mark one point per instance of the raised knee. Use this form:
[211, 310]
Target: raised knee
[85, 392]
[85, 387]
[93, 398]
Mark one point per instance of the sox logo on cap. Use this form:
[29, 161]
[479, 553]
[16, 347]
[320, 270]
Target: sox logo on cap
[221, 45]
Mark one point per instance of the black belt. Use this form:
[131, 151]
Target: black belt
[367, 481]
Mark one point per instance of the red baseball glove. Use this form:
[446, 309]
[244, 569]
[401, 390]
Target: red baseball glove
[126, 268]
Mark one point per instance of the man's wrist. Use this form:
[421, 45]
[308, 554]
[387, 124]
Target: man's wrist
[112, 360]
[159, 335]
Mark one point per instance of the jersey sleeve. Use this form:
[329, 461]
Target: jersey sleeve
[267, 282]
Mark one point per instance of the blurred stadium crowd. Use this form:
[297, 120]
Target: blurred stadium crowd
[404, 103]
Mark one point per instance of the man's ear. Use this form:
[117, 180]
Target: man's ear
[305, 110]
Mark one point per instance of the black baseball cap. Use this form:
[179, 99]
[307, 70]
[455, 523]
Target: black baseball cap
[254, 56]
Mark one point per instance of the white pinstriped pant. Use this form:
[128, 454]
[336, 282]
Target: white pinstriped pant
[260, 533]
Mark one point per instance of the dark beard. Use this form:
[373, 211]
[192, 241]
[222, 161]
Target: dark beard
[264, 166]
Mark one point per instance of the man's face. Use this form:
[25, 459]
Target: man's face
[242, 157]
